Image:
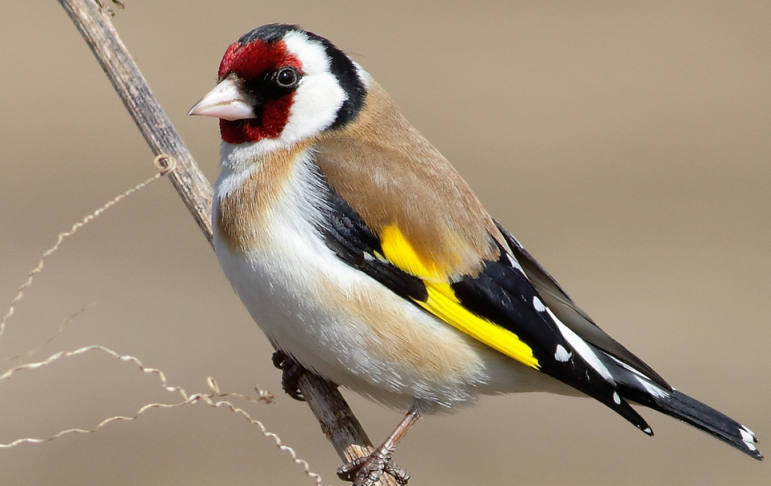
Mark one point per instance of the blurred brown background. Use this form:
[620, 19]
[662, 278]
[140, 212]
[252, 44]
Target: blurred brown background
[626, 144]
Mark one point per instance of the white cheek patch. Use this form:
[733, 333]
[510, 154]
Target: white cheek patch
[319, 96]
[315, 105]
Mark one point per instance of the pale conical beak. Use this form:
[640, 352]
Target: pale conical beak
[225, 101]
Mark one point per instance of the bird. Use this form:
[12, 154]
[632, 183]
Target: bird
[366, 258]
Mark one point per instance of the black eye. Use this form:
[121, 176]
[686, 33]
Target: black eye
[287, 78]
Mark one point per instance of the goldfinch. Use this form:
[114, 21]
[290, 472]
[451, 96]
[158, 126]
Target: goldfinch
[364, 256]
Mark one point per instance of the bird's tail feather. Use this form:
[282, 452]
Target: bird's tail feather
[634, 385]
[703, 417]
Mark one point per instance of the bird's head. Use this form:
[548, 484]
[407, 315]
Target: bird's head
[279, 85]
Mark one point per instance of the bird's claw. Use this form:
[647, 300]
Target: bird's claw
[291, 373]
[366, 471]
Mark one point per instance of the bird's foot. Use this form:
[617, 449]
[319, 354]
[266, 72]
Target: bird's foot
[291, 373]
[365, 471]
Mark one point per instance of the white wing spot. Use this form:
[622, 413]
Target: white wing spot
[562, 354]
[515, 263]
[582, 348]
[616, 398]
[538, 305]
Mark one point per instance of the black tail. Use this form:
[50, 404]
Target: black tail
[703, 417]
[634, 385]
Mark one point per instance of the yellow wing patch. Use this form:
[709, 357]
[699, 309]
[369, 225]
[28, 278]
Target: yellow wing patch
[444, 304]
[401, 253]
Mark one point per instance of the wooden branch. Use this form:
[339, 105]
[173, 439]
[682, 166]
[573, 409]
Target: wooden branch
[330, 408]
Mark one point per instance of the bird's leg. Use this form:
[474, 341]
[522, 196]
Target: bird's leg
[365, 471]
[291, 373]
